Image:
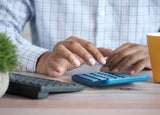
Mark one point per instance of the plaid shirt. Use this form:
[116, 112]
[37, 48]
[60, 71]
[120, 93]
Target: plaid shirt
[106, 23]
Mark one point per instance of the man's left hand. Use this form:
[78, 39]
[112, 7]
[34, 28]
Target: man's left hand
[126, 55]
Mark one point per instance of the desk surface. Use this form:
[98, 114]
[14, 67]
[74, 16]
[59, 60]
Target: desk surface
[133, 99]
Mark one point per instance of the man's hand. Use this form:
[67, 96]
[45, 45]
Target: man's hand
[127, 55]
[69, 54]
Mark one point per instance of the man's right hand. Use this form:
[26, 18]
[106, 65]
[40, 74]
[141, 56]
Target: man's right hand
[69, 54]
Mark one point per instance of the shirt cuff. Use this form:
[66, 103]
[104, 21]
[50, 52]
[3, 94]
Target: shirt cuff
[28, 58]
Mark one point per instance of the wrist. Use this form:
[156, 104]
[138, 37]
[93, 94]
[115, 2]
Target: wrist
[42, 63]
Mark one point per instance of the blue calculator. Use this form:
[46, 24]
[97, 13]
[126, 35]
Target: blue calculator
[101, 79]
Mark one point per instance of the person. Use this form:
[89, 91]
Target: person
[69, 33]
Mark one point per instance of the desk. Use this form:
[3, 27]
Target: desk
[133, 99]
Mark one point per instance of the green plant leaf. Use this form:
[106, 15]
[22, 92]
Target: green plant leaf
[8, 56]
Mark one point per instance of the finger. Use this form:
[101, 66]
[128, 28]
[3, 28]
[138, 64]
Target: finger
[80, 51]
[105, 52]
[124, 46]
[53, 73]
[63, 52]
[58, 67]
[140, 65]
[91, 49]
[55, 70]
[104, 68]
[57, 64]
[118, 50]
[128, 61]
[119, 56]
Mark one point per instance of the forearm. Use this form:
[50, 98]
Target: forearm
[13, 16]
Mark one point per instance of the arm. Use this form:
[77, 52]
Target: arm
[66, 55]
[13, 16]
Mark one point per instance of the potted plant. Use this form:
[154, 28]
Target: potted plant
[8, 61]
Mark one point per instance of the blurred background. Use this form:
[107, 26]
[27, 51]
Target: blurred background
[26, 32]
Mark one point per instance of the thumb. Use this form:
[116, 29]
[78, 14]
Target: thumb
[105, 51]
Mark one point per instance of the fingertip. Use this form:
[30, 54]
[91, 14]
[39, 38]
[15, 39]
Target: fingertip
[116, 70]
[132, 72]
[103, 69]
[76, 62]
[103, 61]
[92, 61]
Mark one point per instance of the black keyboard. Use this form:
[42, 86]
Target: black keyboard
[39, 88]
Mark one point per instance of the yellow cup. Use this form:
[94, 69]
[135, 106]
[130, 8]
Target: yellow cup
[153, 40]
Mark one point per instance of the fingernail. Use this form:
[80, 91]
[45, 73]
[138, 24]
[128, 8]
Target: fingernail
[92, 61]
[103, 61]
[76, 62]
[115, 70]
